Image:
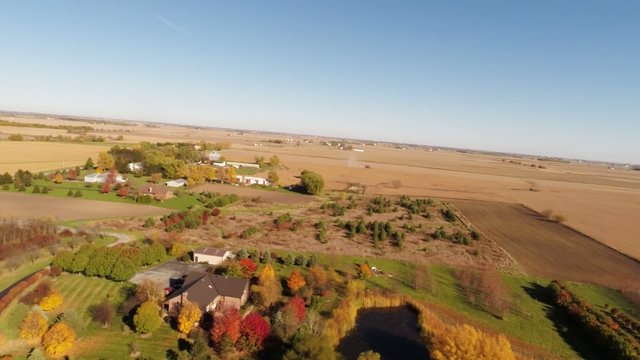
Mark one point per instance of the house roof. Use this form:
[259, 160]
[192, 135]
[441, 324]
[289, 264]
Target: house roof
[153, 189]
[204, 288]
[211, 251]
[177, 181]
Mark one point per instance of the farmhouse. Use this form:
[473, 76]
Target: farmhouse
[176, 183]
[237, 165]
[251, 180]
[210, 292]
[214, 156]
[211, 256]
[101, 178]
[156, 191]
[135, 166]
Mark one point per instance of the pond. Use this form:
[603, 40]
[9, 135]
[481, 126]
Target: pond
[391, 332]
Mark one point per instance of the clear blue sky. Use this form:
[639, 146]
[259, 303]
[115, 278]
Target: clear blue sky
[544, 77]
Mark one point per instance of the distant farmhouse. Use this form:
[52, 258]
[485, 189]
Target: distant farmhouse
[101, 178]
[251, 180]
[214, 156]
[211, 255]
[135, 166]
[176, 183]
[237, 165]
[210, 292]
[158, 192]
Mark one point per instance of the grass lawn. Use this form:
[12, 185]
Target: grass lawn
[181, 202]
[530, 319]
[93, 342]
[9, 278]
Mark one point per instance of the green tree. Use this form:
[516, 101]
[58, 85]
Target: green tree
[123, 270]
[311, 183]
[273, 178]
[147, 318]
[89, 164]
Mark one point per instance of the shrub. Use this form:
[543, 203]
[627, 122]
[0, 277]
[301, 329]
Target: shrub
[77, 194]
[300, 260]
[70, 193]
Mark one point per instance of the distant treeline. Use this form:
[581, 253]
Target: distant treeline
[45, 126]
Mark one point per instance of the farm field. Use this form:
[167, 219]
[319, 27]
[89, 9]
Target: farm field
[41, 156]
[548, 249]
[43, 206]
[596, 200]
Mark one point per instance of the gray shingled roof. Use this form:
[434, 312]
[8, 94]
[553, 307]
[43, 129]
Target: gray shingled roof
[203, 288]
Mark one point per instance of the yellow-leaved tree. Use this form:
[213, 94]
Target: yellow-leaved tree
[51, 301]
[59, 340]
[189, 315]
[33, 326]
[268, 289]
[466, 342]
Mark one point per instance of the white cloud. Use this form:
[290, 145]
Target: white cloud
[168, 23]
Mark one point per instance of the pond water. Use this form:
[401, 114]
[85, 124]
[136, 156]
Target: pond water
[391, 332]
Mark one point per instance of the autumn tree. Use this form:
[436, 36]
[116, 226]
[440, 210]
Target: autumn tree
[33, 326]
[59, 340]
[156, 178]
[268, 289]
[318, 278]
[273, 178]
[188, 316]
[102, 313]
[467, 342]
[51, 301]
[58, 179]
[364, 271]
[295, 281]
[123, 191]
[248, 267]
[255, 328]
[227, 323]
[274, 161]
[72, 174]
[105, 161]
[297, 307]
[369, 355]
[147, 318]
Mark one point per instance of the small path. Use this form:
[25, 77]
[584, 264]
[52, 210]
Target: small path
[122, 238]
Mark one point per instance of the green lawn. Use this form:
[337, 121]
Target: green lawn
[79, 294]
[530, 319]
[92, 192]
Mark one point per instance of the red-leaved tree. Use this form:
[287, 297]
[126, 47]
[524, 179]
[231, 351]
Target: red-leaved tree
[248, 267]
[297, 307]
[227, 323]
[255, 328]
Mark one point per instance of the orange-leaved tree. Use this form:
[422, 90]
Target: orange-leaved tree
[188, 316]
[59, 340]
[295, 281]
[33, 326]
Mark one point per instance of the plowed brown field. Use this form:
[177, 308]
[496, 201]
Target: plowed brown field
[37, 206]
[548, 249]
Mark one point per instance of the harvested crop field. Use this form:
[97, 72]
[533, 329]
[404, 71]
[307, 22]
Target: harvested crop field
[41, 156]
[38, 206]
[261, 195]
[548, 249]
